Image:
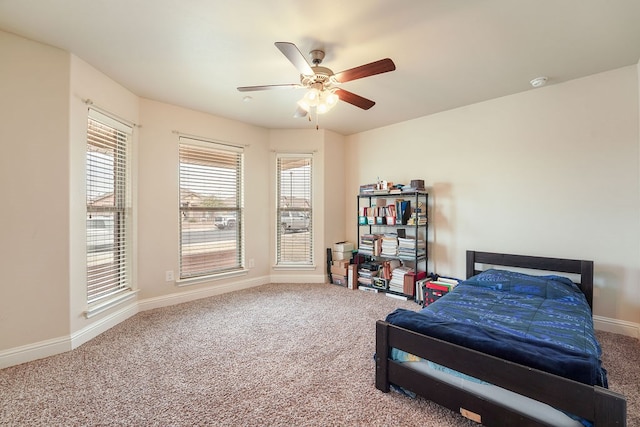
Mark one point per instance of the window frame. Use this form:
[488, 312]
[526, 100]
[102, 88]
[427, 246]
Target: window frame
[283, 259]
[209, 214]
[109, 149]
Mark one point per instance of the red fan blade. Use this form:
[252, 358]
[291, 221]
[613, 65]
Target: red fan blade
[377, 67]
[269, 87]
[354, 99]
[294, 55]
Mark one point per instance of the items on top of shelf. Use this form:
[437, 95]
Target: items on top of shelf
[383, 187]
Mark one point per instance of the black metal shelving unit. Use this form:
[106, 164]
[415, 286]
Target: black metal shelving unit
[415, 225]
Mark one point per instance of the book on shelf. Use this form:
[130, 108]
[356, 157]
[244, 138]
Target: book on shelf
[403, 210]
[419, 295]
[448, 280]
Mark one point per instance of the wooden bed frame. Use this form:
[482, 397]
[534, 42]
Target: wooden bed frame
[603, 407]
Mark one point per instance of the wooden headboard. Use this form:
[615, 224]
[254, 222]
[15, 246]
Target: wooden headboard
[551, 265]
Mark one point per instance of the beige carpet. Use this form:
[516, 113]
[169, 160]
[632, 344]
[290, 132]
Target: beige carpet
[294, 355]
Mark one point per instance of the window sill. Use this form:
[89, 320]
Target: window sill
[201, 279]
[103, 306]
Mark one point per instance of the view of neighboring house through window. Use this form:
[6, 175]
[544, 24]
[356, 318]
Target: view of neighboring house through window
[108, 208]
[294, 217]
[210, 208]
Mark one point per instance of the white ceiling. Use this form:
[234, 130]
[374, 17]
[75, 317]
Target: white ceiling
[448, 53]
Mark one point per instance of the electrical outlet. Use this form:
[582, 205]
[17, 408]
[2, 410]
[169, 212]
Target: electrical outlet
[168, 276]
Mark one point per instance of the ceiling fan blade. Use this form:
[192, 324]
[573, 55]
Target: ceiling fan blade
[294, 55]
[354, 99]
[371, 69]
[300, 112]
[269, 87]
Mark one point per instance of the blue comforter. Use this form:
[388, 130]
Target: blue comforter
[543, 322]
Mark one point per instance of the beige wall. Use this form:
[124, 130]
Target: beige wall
[551, 172]
[34, 176]
[158, 217]
[335, 192]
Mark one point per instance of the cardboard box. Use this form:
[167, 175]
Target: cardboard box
[341, 255]
[343, 247]
[339, 270]
[343, 263]
[352, 276]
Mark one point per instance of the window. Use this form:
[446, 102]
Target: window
[108, 208]
[210, 208]
[294, 216]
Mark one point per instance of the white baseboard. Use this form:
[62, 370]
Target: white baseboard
[27, 353]
[39, 350]
[104, 324]
[186, 296]
[620, 327]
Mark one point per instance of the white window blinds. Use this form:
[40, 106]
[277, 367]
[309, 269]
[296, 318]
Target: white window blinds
[108, 207]
[295, 215]
[210, 208]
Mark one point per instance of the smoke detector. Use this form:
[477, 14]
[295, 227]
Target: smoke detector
[538, 81]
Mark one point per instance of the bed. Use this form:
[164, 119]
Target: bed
[451, 367]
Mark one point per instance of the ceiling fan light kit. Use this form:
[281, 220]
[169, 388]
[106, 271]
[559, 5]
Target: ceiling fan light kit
[322, 100]
[321, 83]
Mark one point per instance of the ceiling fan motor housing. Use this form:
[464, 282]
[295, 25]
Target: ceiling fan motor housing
[322, 75]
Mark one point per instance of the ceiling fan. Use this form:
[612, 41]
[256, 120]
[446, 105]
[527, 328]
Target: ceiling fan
[322, 83]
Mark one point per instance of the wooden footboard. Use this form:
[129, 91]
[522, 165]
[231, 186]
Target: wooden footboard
[594, 403]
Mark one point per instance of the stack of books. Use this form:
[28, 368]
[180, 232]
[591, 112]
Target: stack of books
[389, 244]
[418, 217]
[396, 283]
[370, 244]
[433, 289]
[366, 273]
[410, 247]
